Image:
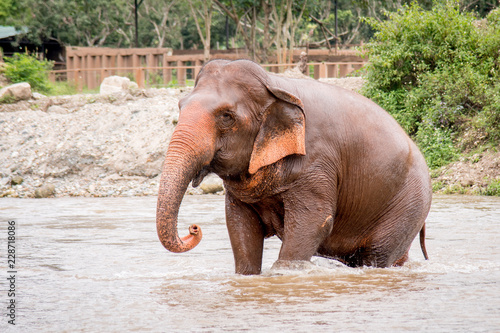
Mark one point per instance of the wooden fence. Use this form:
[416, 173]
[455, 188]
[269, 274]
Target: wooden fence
[321, 70]
[151, 67]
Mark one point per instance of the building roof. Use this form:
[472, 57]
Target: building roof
[6, 31]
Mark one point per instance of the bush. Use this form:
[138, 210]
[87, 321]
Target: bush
[26, 68]
[493, 188]
[436, 144]
[437, 72]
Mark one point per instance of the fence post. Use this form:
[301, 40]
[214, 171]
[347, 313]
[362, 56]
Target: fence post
[104, 65]
[138, 74]
[322, 71]
[344, 70]
[316, 71]
[70, 64]
[197, 68]
[88, 66]
[181, 73]
[119, 64]
[148, 77]
[77, 62]
[333, 70]
[167, 73]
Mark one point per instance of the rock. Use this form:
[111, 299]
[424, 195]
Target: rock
[16, 180]
[175, 119]
[19, 91]
[114, 84]
[211, 184]
[37, 96]
[466, 182]
[45, 191]
[57, 109]
[5, 181]
[9, 193]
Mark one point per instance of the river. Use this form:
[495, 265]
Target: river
[96, 265]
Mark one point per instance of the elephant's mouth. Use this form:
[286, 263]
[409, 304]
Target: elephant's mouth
[213, 167]
[198, 178]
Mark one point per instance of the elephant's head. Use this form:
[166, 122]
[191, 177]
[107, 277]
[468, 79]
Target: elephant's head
[234, 122]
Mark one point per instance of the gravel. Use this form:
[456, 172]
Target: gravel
[86, 145]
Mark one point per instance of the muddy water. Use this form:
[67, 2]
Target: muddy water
[95, 265]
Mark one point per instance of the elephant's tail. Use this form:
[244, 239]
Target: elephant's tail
[422, 242]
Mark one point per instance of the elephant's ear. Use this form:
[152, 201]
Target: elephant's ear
[282, 131]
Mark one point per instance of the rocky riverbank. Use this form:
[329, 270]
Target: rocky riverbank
[86, 145]
[114, 145]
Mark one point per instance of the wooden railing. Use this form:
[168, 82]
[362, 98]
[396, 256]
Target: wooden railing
[322, 70]
[161, 76]
[150, 67]
[91, 78]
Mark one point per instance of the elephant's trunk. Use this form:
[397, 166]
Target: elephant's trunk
[191, 148]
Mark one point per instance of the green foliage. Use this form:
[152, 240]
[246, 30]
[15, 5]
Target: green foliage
[8, 9]
[436, 144]
[493, 188]
[76, 22]
[26, 68]
[171, 23]
[438, 73]
[63, 88]
[7, 99]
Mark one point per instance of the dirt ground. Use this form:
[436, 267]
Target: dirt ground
[114, 145]
[87, 145]
[476, 174]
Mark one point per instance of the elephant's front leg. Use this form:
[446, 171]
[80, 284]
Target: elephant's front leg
[308, 221]
[246, 235]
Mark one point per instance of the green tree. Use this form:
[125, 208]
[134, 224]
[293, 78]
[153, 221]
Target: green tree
[245, 14]
[10, 12]
[26, 68]
[202, 12]
[77, 22]
[481, 7]
[438, 73]
[158, 15]
[261, 26]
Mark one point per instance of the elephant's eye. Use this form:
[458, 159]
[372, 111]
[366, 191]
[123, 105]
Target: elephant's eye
[226, 119]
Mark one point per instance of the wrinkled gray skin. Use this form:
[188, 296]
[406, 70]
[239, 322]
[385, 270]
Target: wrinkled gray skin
[325, 169]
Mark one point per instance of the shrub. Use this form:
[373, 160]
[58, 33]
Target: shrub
[437, 72]
[493, 188]
[436, 144]
[26, 68]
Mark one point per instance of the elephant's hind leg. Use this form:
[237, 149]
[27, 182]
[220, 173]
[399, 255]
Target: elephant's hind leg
[396, 232]
[401, 261]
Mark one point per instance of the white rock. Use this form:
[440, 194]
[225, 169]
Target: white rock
[57, 109]
[114, 84]
[211, 184]
[20, 91]
[38, 96]
[45, 191]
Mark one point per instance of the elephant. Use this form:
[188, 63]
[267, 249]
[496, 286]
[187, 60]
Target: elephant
[326, 170]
